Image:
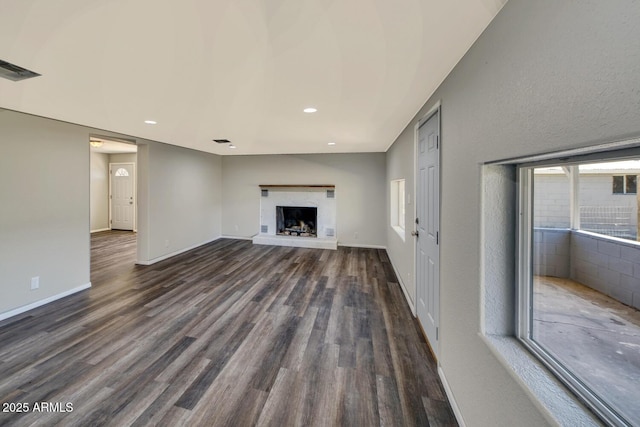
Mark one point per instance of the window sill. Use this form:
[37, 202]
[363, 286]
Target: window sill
[555, 402]
[400, 231]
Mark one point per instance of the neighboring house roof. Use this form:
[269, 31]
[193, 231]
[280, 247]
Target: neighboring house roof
[624, 167]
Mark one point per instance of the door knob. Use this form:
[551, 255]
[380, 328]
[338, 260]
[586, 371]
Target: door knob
[415, 233]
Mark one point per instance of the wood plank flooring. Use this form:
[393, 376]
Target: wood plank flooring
[228, 334]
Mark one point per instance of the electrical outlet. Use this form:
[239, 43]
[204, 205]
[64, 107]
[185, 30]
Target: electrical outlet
[355, 235]
[35, 283]
[236, 227]
[166, 243]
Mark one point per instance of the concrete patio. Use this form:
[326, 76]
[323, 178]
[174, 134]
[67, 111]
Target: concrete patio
[597, 337]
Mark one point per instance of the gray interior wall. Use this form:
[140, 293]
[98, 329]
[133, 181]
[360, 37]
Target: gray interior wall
[44, 214]
[182, 197]
[544, 76]
[99, 191]
[123, 158]
[360, 191]
[400, 165]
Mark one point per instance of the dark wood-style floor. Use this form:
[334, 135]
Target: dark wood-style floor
[228, 334]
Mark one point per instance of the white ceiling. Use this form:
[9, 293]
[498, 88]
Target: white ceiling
[237, 69]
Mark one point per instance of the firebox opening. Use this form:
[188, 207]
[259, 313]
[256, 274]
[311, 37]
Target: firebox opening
[296, 221]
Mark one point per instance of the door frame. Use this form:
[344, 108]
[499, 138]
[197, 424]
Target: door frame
[135, 194]
[436, 108]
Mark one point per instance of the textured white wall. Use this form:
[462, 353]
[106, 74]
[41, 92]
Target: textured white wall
[360, 191]
[544, 76]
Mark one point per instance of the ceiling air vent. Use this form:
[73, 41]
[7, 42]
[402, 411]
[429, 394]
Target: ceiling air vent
[15, 73]
[222, 141]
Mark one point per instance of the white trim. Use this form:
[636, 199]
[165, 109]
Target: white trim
[99, 230]
[178, 252]
[362, 245]
[435, 109]
[452, 400]
[25, 308]
[400, 231]
[403, 287]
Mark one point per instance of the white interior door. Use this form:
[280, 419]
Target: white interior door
[122, 196]
[428, 228]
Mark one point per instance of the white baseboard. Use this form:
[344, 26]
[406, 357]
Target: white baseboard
[172, 254]
[359, 245]
[25, 308]
[403, 287]
[452, 400]
[236, 237]
[99, 230]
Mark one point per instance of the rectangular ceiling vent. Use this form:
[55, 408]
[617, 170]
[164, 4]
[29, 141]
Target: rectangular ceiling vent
[222, 141]
[15, 73]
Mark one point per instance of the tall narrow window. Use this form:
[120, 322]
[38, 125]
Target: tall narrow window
[398, 209]
[401, 205]
[631, 184]
[579, 280]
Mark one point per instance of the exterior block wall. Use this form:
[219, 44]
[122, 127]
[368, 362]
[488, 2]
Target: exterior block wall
[551, 254]
[609, 265]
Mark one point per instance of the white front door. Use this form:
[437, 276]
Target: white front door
[122, 196]
[428, 228]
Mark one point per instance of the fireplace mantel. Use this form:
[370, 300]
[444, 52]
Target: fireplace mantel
[296, 186]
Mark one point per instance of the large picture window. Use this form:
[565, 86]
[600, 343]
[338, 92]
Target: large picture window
[579, 279]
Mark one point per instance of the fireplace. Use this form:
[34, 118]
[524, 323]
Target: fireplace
[296, 221]
[302, 216]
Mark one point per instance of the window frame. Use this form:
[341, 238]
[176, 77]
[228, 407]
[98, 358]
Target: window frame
[625, 184]
[524, 275]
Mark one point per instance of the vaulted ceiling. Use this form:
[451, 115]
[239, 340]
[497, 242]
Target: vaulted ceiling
[243, 70]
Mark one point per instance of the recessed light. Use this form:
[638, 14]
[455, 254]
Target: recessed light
[150, 122]
[331, 143]
[310, 110]
[232, 146]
